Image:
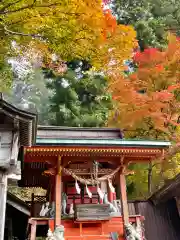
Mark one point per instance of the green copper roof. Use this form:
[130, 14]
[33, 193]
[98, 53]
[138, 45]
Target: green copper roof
[102, 142]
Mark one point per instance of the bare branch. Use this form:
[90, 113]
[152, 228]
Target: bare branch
[28, 7]
[12, 23]
[22, 34]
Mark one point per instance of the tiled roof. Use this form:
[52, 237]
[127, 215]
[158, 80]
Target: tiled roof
[105, 142]
[169, 190]
[53, 132]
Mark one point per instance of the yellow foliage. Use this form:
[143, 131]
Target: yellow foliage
[70, 28]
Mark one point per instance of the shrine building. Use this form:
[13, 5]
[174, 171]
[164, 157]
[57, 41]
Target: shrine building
[83, 171]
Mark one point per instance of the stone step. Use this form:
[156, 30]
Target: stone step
[91, 237]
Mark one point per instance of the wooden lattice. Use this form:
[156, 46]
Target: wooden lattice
[39, 199]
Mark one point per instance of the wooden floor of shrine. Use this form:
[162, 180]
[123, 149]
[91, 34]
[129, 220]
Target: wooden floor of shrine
[92, 230]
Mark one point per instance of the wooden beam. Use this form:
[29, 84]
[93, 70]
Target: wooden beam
[3, 197]
[124, 204]
[114, 160]
[58, 194]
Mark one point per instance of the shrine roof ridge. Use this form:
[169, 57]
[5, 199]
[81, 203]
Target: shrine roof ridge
[65, 128]
[53, 132]
[101, 142]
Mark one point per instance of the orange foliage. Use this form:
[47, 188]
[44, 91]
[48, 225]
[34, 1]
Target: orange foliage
[110, 23]
[115, 44]
[149, 98]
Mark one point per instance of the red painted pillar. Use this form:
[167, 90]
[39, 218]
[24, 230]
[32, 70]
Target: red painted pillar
[124, 204]
[58, 194]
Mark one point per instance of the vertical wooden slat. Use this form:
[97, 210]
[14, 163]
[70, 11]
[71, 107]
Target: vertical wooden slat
[32, 205]
[124, 204]
[58, 194]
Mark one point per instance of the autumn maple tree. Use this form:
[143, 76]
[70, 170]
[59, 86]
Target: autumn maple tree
[147, 107]
[70, 29]
[147, 101]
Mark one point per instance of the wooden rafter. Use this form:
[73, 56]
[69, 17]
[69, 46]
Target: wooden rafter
[70, 151]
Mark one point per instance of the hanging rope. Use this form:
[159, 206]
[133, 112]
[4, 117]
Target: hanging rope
[90, 181]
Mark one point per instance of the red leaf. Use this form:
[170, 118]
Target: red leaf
[173, 87]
